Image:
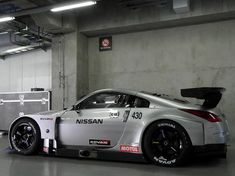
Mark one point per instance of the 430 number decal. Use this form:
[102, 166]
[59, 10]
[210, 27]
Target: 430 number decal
[137, 115]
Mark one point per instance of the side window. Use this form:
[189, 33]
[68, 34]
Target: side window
[137, 102]
[104, 100]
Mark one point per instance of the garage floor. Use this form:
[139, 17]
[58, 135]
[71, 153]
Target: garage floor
[17, 165]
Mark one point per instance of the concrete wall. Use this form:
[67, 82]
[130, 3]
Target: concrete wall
[24, 71]
[169, 59]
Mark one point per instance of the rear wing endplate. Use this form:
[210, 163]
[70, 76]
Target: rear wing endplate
[211, 95]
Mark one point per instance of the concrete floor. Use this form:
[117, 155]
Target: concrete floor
[18, 165]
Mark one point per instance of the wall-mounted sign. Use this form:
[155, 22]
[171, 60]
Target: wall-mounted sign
[105, 43]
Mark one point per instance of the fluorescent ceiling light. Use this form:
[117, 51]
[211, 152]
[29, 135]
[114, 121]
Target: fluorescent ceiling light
[25, 35]
[16, 33]
[17, 49]
[73, 6]
[5, 19]
[2, 33]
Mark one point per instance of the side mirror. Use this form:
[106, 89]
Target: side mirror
[74, 107]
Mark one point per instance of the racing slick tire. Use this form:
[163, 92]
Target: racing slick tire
[166, 143]
[25, 136]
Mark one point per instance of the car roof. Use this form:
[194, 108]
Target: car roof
[125, 91]
[154, 98]
[149, 96]
[157, 99]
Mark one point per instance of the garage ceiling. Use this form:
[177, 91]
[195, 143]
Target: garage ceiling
[23, 31]
[136, 4]
[18, 6]
[35, 25]
[9, 6]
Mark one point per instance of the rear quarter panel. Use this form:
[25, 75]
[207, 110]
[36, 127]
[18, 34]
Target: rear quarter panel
[135, 128]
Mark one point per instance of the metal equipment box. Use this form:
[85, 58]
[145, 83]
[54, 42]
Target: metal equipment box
[15, 104]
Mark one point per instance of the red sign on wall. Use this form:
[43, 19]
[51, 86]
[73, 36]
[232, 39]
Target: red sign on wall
[105, 43]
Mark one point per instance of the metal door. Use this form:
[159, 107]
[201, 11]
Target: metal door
[99, 127]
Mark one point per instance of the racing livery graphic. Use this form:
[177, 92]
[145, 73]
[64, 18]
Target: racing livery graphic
[158, 128]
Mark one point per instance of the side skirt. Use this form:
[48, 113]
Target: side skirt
[50, 147]
[101, 155]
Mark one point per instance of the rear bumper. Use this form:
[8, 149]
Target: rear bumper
[211, 149]
[216, 133]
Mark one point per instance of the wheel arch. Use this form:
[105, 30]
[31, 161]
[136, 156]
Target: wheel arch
[15, 121]
[155, 121]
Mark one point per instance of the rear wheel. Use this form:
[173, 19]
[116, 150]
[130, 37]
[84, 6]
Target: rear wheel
[166, 143]
[25, 136]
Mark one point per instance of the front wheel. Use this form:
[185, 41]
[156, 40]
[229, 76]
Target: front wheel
[25, 136]
[166, 143]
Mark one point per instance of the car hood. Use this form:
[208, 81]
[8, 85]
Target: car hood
[51, 113]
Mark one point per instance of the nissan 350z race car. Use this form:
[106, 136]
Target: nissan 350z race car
[140, 125]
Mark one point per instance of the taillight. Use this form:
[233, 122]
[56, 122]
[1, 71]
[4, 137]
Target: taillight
[203, 114]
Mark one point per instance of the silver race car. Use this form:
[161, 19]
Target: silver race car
[135, 125]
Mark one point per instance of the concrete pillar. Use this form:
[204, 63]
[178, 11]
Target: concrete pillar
[57, 90]
[82, 65]
[69, 69]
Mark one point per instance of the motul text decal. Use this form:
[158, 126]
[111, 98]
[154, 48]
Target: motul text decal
[129, 149]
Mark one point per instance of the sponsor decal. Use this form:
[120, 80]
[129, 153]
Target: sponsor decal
[129, 149]
[89, 121]
[46, 118]
[99, 142]
[162, 160]
[114, 114]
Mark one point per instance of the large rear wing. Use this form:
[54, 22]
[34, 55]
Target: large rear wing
[211, 95]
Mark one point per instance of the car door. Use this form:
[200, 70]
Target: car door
[98, 121]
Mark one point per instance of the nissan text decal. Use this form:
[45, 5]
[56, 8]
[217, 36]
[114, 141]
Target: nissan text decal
[89, 121]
